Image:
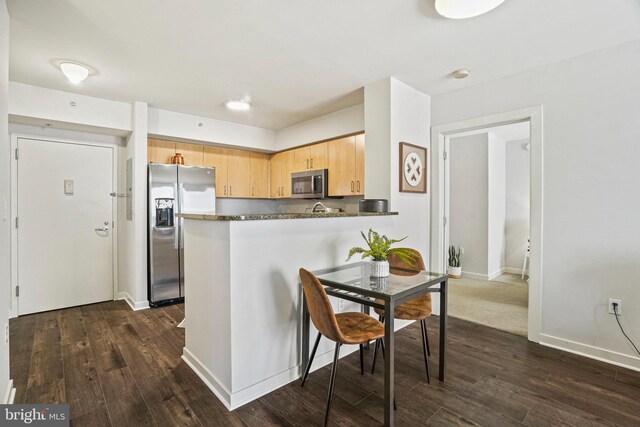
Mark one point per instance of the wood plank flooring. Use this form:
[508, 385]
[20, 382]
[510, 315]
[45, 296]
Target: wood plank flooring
[117, 367]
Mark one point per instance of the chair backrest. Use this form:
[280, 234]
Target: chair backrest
[395, 262]
[320, 309]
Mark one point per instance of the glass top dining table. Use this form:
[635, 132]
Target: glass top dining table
[353, 282]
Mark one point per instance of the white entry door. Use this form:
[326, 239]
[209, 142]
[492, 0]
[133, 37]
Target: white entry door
[64, 237]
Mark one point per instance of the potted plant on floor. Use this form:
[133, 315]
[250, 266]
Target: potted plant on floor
[379, 248]
[454, 270]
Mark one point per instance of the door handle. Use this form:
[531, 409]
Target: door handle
[230, 192]
[311, 163]
[307, 163]
[225, 190]
[105, 229]
[352, 186]
[358, 185]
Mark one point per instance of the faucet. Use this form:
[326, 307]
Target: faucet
[324, 208]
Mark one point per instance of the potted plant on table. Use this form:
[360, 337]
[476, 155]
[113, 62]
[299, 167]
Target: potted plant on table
[379, 248]
[454, 270]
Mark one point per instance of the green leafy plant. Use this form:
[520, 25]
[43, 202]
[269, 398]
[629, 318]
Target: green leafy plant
[454, 256]
[380, 248]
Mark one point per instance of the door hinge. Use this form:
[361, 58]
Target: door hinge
[444, 221]
[17, 291]
[16, 154]
[444, 155]
[16, 222]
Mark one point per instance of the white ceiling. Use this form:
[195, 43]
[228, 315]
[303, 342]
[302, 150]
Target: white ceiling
[296, 59]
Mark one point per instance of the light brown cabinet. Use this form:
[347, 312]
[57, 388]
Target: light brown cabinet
[259, 175]
[346, 166]
[239, 173]
[310, 157]
[281, 167]
[215, 157]
[160, 151]
[192, 153]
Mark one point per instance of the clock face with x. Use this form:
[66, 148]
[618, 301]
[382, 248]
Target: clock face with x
[413, 169]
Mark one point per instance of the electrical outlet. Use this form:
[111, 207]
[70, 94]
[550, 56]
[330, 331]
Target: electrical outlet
[6, 333]
[619, 307]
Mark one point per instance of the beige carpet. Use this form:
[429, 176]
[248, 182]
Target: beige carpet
[501, 303]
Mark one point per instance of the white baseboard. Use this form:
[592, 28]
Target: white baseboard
[9, 394]
[474, 276]
[135, 305]
[479, 276]
[496, 274]
[591, 352]
[513, 270]
[235, 400]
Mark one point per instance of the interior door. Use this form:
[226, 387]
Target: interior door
[64, 236]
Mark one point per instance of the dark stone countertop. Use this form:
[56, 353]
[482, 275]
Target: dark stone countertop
[268, 216]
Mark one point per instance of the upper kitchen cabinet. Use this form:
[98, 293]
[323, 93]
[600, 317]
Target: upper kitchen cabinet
[310, 157]
[192, 153]
[215, 157]
[259, 175]
[281, 167]
[239, 173]
[160, 151]
[346, 166]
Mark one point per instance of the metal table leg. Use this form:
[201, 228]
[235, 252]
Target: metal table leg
[443, 328]
[389, 391]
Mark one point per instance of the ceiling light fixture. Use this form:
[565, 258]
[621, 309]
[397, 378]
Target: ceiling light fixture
[462, 73]
[74, 72]
[462, 9]
[237, 104]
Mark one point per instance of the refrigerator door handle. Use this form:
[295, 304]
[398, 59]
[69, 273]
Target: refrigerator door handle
[180, 220]
[176, 227]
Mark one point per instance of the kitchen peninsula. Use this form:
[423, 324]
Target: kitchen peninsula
[243, 301]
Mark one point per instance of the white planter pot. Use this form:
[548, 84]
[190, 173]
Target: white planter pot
[454, 272]
[379, 268]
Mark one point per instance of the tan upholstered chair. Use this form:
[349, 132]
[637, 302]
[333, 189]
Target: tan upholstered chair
[343, 328]
[416, 309]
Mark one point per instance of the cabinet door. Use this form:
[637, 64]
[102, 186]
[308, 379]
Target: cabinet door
[301, 159]
[214, 157]
[275, 176]
[319, 156]
[239, 173]
[160, 151]
[192, 153]
[342, 165]
[287, 170]
[259, 175]
[360, 164]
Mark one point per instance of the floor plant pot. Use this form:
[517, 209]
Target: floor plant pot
[454, 272]
[379, 268]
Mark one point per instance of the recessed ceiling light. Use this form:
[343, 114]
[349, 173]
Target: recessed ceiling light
[462, 9]
[74, 72]
[237, 104]
[462, 73]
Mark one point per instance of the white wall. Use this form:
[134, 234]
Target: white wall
[590, 215]
[517, 203]
[496, 195]
[5, 188]
[377, 123]
[343, 122]
[468, 201]
[186, 127]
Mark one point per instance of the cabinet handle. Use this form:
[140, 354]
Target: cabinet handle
[252, 192]
[225, 190]
[311, 163]
[358, 185]
[307, 163]
[278, 191]
[230, 190]
[282, 194]
[352, 186]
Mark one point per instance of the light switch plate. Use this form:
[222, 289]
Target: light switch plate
[68, 186]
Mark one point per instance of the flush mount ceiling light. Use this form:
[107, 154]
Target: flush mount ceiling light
[237, 104]
[462, 9]
[462, 73]
[74, 72]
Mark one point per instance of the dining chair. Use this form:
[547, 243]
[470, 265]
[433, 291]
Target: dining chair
[416, 309]
[343, 328]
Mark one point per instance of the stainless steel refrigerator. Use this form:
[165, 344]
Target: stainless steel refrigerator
[173, 189]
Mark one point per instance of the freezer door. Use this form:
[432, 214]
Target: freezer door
[196, 194]
[164, 257]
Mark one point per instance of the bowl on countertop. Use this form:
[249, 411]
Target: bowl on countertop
[374, 205]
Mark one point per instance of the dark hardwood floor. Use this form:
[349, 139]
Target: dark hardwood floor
[118, 367]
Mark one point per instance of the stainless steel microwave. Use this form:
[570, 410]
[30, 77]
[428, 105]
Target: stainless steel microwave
[310, 184]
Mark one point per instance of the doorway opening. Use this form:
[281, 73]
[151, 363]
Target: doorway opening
[489, 209]
[441, 213]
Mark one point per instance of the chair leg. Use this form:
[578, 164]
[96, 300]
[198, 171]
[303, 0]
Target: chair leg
[361, 359]
[334, 368]
[375, 349]
[424, 348]
[313, 354]
[426, 334]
